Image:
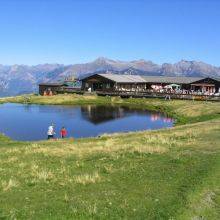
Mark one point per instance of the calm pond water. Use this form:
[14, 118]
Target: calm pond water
[30, 122]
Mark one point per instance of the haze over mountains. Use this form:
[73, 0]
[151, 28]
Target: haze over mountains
[18, 79]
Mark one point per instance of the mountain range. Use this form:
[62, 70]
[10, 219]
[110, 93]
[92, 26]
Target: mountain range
[19, 79]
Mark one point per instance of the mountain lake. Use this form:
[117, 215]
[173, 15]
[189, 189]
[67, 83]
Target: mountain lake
[30, 122]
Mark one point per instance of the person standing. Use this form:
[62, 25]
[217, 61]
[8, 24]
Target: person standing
[50, 132]
[63, 132]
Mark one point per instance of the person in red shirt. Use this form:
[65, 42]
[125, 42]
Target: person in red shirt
[63, 132]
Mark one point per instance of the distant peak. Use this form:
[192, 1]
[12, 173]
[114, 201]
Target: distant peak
[142, 60]
[102, 59]
[188, 61]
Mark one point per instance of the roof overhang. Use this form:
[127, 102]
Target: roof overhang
[203, 84]
[52, 84]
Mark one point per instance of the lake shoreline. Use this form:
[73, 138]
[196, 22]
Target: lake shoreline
[171, 108]
[80, 121]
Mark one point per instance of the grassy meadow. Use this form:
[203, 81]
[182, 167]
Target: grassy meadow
[166, 174]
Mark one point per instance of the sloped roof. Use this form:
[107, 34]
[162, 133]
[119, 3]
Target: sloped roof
[208, 79]
[171, 79]
[123, 78]
[52, 84]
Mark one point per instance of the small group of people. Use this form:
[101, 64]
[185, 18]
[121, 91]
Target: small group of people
[48, 92]
[51, 132]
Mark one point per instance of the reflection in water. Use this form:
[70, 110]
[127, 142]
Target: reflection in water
[100, 114]
[155, 117]
[168, 120]
[84, 121]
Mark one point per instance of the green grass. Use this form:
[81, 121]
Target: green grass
[166, 174]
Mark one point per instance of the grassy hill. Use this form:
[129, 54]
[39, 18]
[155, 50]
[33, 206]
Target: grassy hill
[166, 174]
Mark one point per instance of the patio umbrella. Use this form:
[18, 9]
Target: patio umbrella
[175, 85]
[168, 87]
[171, 86]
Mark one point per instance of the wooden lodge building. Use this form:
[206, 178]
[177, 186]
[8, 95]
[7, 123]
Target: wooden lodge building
[138, 86]
[50, 88]
[115, 82]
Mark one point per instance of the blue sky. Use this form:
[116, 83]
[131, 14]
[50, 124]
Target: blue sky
[68, 31]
